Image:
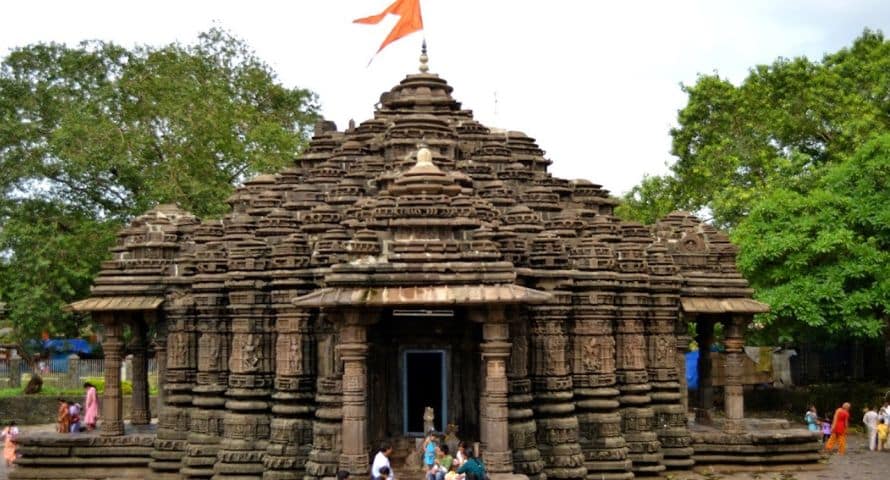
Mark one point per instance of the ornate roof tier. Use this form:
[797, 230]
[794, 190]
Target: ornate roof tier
[417, 204]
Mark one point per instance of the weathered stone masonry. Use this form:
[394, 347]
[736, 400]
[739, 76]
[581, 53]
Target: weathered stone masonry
[282, 324]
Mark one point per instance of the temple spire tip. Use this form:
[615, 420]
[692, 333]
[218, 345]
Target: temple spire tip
[424, 58]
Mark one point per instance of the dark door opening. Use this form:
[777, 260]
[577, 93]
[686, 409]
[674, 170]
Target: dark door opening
[424, 385]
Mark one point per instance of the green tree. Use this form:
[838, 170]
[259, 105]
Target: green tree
[651, 200]
[782, 123]
[783, 161]
[821, 258]
[94, 134]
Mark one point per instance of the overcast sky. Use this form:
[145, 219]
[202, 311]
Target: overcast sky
[595, 82]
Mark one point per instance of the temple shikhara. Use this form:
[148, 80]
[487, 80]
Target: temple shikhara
[417, 260]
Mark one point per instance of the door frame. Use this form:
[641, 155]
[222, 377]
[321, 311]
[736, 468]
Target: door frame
[403, 357]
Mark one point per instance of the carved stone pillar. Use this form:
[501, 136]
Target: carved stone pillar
[140, 413]
[633, 301]
[637, 415]
[292, 408]
[324, 457]
[682, 334]
[250, 363]
[593, 377]
[206, 424]
[526, 456]
[734, 400]
[661, 362]
[557, 424]
[112, 401]
[494, 426]
[159, 345]
[353, 349]
[247, 420]
[179, 379]
[293, 403]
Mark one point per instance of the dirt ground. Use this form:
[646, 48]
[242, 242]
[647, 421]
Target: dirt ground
[858, 464]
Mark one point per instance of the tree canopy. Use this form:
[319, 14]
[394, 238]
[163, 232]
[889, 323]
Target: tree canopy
[783, 122]
[793, 162]
[821, 258]
[94, 134]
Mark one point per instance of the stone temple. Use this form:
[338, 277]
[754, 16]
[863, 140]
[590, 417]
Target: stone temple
[417, 259]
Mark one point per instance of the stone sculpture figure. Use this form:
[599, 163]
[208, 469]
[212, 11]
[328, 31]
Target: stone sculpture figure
[429, 417]
[451, 438]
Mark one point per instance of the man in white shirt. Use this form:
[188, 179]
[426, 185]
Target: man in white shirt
[382, 460]
[870, 419]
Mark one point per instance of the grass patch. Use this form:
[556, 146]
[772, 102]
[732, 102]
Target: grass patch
[48, 390]
[51, 390]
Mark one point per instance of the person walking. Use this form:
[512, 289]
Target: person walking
[91, 406]
[839, 430]
[870, 419]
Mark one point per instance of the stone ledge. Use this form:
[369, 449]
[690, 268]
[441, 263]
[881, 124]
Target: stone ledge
[53, 473]
[758, 459]
[56, 456]
[91, 440]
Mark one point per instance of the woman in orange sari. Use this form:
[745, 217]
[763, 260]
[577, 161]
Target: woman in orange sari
[63, 418]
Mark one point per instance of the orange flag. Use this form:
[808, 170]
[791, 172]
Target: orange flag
[410, 20]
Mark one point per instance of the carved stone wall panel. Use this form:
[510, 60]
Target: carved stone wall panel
[594, 380]
[556, 423]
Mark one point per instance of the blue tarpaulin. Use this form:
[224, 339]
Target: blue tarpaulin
[692, 370]
[68, 345]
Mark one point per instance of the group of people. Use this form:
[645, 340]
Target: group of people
[438, 461]
[877, 426]
[834, 431]
[73, 417]
[439, 464]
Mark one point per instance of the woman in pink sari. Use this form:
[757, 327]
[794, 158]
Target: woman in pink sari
[91, 407]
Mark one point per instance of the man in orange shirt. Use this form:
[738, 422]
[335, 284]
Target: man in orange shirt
[839, 429]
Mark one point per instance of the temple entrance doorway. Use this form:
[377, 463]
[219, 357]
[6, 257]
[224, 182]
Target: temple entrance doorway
[422, 358]
[424, 384]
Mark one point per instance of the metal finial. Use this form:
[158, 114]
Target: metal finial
[424, 58]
